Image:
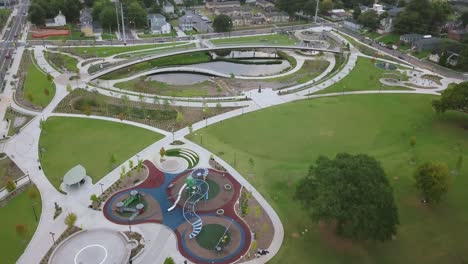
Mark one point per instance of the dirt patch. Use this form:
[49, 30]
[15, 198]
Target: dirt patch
[329, 236]
[261, 225]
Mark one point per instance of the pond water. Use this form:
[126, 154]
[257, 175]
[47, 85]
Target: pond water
[179, 78]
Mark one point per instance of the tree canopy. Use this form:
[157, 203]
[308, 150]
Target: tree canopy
[222, 23]
[455, 97]
[50, 8]
[353, 192]
[369, 19]
[432, 180]
[423, 17]
[136, 14]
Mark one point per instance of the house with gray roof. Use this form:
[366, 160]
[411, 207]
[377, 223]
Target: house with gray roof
[158, 24]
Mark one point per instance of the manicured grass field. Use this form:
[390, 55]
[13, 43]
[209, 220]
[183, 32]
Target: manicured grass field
[109, 51]
[274, 39]
[357, 81]
[284, 140]
[17, 211]
[390, 39]
[37, 89]
[89, 142]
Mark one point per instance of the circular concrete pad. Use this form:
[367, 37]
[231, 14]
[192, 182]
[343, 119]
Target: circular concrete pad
[171, 165]
[93, 247]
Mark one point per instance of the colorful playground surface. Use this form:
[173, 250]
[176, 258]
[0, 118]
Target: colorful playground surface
[198, 205]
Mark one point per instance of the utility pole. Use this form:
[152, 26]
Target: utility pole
[316, 11]
[123, 24]
[117, 16]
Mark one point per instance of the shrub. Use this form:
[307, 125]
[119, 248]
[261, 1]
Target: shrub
[70, 220]
[169, 260]
[10, 186]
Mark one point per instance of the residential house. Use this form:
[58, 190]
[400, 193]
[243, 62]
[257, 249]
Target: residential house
[158, 24]
[410, 38]
[258, 19]
[277, 17]
[434, 56]
[457, 34]
[168, 8]
[186, 23]
[387, 24]
[192, 21]
[338, 14]
[352, 25]
[378, 8]
[86, 22]
[265, 5]
[58, 21]
[179, 2]
[426, 44]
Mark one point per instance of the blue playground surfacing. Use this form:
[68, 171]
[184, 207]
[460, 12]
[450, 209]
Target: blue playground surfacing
[172, 219]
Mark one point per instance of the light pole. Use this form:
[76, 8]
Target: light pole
[102, 190]
[130, 226]
[53, 238]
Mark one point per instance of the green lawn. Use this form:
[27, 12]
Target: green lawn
[357, 81]
[108, 51]
[89, 142]
[274, 39]
[422, 54]
[4, 14]
[284, 140]
[390, 39]
[61, 61]
[37, 89]
[17, 211]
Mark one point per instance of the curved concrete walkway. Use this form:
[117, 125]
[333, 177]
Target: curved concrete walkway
[23, 149]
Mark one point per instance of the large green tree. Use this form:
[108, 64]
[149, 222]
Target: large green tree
[107, 17]
[136, 14]
[351, 191]
[222, 23]
[432, 180]
[36, 14]
[454, 97]
[369, 19]
[423, 16]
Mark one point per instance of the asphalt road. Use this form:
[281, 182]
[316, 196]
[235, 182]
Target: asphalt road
[8, 45]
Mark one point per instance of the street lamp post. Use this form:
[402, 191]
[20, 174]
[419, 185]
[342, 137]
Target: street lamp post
[53, 238]
[102, 190]
[130, 226]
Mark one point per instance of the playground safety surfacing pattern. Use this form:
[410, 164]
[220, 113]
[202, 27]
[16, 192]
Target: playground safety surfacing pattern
[158, 198]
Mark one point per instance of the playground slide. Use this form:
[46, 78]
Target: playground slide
[178, 198]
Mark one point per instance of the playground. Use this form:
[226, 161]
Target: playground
[197, 204]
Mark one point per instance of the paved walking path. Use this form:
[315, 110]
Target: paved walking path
[23, 148]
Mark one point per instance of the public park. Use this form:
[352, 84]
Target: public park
[302, 146]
